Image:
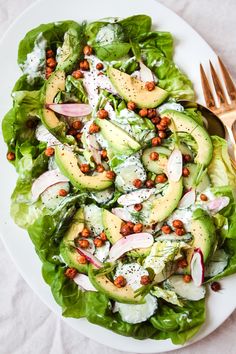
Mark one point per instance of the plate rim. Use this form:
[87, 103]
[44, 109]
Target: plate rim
[21, 271]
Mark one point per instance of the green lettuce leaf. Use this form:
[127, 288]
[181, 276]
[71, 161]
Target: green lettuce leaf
[220, 169]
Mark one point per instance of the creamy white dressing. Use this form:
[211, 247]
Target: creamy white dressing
[42, 134]
[34, 66]
[185, 215]
[170, 105]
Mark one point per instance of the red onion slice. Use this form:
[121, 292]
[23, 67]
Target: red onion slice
[83, 281]
[90, 258]
[46, 180]
[197, 267]
[94, 148]
[217, 204]
[187, 200]
[128, 243]
[70, 109]
[175, 166]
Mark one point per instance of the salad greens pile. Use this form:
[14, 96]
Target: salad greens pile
[129, 202]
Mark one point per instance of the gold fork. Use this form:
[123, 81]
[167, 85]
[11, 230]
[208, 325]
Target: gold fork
[223, 107]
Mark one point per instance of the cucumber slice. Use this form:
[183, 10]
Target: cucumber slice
[127, 172]
[93, 218]
[50, 197]
[187, 291]
[102, 197]
[217, 263]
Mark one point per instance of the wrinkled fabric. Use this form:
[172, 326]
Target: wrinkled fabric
[26, 325]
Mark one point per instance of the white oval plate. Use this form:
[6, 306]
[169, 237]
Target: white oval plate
[190, 50]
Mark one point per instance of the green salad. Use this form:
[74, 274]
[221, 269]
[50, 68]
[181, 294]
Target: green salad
[128, 200]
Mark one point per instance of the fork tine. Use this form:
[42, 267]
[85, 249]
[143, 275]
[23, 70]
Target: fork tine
[228, 81]
[210, 102]
[218, 87]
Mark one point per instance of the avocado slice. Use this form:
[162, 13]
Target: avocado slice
[112, 225]
[67, 251]
[204, 236]
[160, 165]
[103, 284]
[182, 123]
[68, 164]
[132, 89]
[119, 141]
[164, 206]
[55, 84]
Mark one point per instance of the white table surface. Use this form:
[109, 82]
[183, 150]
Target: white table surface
[27, 326]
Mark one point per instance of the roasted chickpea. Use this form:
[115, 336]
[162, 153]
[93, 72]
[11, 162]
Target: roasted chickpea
[185, 172]
[102, 114]
[83, 243]
[156, 141]
[98, 242]
[143, 112]
[160, 127]
[100, 168]
[87, 50]
[154, 156]
[180, 232]
[70, 273]
[161, 178]
[49, 151]
[155, 120]
[11, 156]
[182, 263]
[138, 207]
[104, 154]
[131, 106]
[84, 65]
[187, 158]
[62, 193]
[162, 134]
[120, 281]
[152, 113]
[49, 53]
[48, 72]
[165, 121]
[99, 66]
[94, 128]
[82, 260]
[215, 286]
[79, 136]
[177, 224]
[77, 124]
[149, 183]
[137, 183]
[145, 280]
[187, 278]
[103, 236]
[203, 197]
[84, 167]
[125, 230]
[110, 174]
[77, 74]
[51, 63]
[166, 229]
[138, 228]
[85, 232]
[72, 132]
[150, 85]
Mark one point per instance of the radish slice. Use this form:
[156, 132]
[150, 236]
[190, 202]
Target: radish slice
[46, 180]
[187, 291]
[94, 148]
[135, 197]
[175, 166]
[128, 243]
[122, 214]
[146, 74]
[217, 204]
[70, 109]
[90, 258]
[187, 200]
[197, 267]
[83, 281]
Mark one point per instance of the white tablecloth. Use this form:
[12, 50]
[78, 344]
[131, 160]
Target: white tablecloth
[26, 325]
